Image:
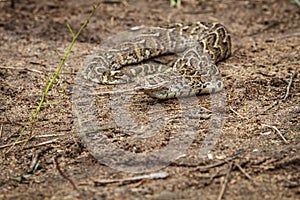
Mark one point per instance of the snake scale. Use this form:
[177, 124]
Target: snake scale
[199, 45]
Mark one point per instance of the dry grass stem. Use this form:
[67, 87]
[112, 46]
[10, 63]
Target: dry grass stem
[34, 116]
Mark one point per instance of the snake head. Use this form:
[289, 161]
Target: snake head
[94, 72]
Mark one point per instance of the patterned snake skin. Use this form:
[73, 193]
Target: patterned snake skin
[199, 47]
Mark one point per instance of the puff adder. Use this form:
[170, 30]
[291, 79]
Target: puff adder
[199, 46]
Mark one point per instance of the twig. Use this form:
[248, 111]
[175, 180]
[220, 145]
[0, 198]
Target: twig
[276, 129]
[243, 171]
[225, 183]
[133, 179]
[42, 143]
[231, 109]
[289, 85]
[65, 176]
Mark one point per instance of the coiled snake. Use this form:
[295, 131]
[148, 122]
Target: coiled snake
[200, 46]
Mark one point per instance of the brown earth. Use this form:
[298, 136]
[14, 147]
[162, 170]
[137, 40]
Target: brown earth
[256, 156]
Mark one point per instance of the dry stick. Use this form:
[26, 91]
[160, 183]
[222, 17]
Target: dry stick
[243, 171]
[33, 117]
[225, 183]
[279, 133]
[290, 85]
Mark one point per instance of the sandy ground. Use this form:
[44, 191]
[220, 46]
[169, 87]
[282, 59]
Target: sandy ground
[256, 155]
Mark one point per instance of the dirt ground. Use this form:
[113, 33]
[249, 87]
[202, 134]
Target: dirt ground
[256, 156]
